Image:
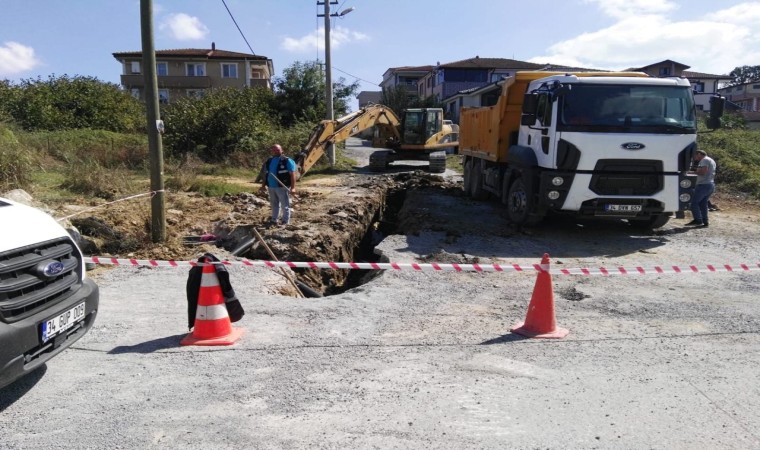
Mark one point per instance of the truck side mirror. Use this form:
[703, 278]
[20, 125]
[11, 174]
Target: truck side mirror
[530, 104]
[717, 105]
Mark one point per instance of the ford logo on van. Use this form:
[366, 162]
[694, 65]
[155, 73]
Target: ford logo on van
[633, 146]
[50, 269]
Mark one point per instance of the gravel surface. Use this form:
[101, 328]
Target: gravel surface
[419, 360]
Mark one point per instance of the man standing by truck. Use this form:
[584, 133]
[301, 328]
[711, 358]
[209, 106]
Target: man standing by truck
[705, 187]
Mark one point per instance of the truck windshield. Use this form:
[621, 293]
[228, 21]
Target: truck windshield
[627, 108]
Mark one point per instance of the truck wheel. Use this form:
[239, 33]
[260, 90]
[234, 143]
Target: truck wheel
[656, 221]
[467, 176]
[378, 161]
[437, 162]
[476, 181]
[520, 203]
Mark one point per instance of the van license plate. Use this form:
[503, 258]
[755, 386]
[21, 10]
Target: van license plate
[622, 208]
[62, 322]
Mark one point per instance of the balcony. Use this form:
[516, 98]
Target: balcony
[167, 82]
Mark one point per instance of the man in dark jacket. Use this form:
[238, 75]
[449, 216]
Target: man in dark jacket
[280, 179]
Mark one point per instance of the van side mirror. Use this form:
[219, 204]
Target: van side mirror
[717, 106]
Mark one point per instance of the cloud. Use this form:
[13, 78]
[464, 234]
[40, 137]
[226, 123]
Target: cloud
[339, 36]
[184, 28]
[626, 8]
[716, 43]
[16, 58]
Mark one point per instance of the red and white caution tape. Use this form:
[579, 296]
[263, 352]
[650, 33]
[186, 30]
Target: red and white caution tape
[435, 267]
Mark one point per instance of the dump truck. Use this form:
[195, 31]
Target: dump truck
[421, 134]
[591, 144]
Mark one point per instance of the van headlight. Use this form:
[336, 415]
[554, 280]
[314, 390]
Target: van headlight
[684, 197]
[685, 183]
[553, 195]
[558, 181]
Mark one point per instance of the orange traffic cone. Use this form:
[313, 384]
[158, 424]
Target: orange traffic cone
[540, 321]
[212, 323]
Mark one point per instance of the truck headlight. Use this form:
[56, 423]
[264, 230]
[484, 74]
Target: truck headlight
[684, 197]
[685, 183]
[558, 181]
[553, 195]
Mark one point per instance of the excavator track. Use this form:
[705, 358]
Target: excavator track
[437, 162]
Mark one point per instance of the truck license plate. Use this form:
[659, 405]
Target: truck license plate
[622, 208]
[62, 322]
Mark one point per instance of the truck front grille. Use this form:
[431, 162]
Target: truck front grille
[25, 289]
[627, 177]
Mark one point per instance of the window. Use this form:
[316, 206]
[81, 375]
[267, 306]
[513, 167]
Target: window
[135, 67]
[135, 93]
[229, 70]
[195, 69]
[664, 71]
[498, 76]
[756, 86]
[195, 93]
[256, 74]
[698, 87]
[163, 96]
[162, 69]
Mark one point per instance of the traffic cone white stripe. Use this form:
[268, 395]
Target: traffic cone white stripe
[213, 312]
[209, 280]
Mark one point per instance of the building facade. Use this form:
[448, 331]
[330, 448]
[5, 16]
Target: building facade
[193, 72]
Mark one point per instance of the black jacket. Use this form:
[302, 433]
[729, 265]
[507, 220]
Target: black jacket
[234, 308]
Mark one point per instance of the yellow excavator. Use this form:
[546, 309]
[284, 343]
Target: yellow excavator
[421, 135]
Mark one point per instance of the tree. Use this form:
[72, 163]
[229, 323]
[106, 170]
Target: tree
[395, 98]
[63, 103]
[300, 94]
[744, 74]
[220, 123]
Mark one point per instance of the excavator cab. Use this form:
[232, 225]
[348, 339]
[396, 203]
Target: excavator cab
[420, 124]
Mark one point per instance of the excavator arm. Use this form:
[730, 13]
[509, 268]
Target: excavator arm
[338, 130]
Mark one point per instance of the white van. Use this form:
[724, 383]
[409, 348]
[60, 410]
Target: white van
[46, 302]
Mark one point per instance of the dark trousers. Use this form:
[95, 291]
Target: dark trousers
[699, 201]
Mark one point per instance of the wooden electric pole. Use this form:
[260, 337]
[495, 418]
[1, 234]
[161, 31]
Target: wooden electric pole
[155, 126]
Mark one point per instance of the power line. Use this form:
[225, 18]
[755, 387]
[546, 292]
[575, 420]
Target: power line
[362, 79]
[238, 27]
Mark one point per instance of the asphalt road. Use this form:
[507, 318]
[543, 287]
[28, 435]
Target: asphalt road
[426, 359]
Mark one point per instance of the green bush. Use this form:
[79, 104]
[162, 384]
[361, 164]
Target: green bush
[220, 123]
[88, 177]
[108, 149]
[15, 165]
[737, 156]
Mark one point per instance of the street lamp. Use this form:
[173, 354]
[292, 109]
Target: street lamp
[328, 68]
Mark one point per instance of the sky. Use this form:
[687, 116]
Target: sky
[40, 38]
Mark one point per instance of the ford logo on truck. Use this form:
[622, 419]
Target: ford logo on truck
[50, 269]
[633, 146]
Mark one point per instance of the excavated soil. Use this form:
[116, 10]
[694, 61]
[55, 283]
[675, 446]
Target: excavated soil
[335, 218]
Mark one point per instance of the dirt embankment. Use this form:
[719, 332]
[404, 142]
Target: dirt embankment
[333, 219]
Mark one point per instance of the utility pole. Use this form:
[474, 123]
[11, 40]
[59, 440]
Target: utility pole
[328, 76]
[155, 125]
